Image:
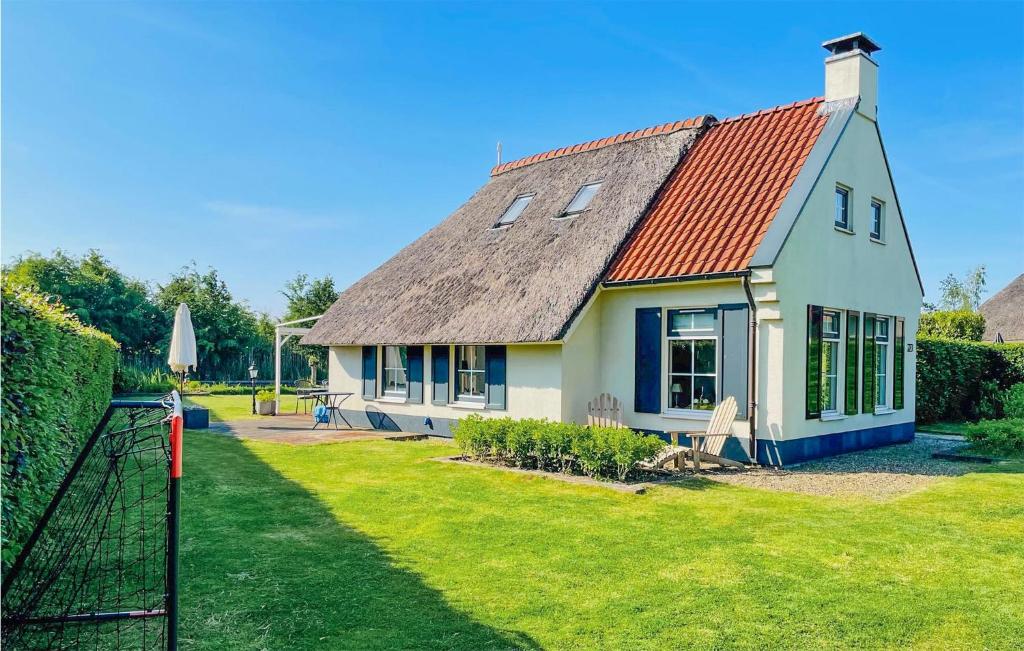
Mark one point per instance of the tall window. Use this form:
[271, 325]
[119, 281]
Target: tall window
[881, 361]
[693, 360]
[842, 208]
[516, 208]
[877, 210]
[396, 365]
[582, 200]
[830, 324]
[470, 372]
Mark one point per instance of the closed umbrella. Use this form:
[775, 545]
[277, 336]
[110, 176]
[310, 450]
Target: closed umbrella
[182, 355]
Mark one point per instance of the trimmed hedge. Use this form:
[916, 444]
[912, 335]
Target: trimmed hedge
[964, 380]
[563, 447]
[57, 381]
[999, 436]
[963, 325]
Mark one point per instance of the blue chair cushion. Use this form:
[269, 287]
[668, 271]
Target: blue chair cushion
[321, 415]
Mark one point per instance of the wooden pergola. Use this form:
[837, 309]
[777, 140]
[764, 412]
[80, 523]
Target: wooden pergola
[282, 333]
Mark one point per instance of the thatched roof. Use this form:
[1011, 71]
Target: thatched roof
[463, 282]
[1004, 313]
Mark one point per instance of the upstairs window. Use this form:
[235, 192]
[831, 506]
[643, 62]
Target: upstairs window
[582, 200]
[517, 207]
[843, 208]
[877, 214]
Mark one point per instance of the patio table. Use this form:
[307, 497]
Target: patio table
[332, 400]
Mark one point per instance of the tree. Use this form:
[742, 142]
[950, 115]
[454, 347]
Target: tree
[952, 324]
[227, 333]
[308, 298]
[97, 293]
[963, 295]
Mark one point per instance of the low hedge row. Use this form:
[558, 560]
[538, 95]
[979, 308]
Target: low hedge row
[964, 380]
[1004, 436]
[57, 381]
[563, 447]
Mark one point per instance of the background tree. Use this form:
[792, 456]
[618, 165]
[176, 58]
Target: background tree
[98, 294]
[227, 333]
[309, 298]
[963, 295]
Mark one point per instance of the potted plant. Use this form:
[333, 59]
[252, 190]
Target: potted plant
[313, 363]
[265, 400]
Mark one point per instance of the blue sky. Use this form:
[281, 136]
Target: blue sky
[265, 139]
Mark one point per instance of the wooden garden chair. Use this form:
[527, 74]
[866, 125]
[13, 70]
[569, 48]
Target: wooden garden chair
[605, 411]
[706, 445]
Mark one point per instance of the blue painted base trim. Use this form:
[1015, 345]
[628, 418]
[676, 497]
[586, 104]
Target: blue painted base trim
[790, 451]
[374, 418]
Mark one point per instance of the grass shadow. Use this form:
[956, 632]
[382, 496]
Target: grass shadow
[266, 565]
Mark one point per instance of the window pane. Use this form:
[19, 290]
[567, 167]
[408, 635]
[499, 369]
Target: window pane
[876, 219]
[682, 357]
[469, 364]
[829, 375]
[582, 199]
[830, 324]
[679, 391]
[679, 322]
[703, 321]
[842, 203]
[882, 329]
[704, 396]
[704, 356]
[513, 211]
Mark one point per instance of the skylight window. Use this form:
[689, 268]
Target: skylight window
[512, 213]
[582, 199]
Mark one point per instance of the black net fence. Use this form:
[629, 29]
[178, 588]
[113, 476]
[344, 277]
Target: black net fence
[94, 574]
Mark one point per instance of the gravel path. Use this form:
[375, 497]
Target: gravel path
[879, 474]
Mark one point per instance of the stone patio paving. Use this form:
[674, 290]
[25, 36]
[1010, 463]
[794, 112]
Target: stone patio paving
[298, 430]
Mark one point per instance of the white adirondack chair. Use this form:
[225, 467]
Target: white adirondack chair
[605, 411]
[708, 444]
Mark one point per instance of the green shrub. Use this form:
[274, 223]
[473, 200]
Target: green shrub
[963, 380]
[962, 325]
[266, 395]
[57, 382]
[1013, 401]
[595, 451]
[999, 436]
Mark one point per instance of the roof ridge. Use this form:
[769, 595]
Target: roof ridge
[774, 109]
[657, 130]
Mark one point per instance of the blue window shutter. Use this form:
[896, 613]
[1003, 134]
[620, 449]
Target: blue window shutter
[734, 322]
[647, 381]
[439, 373]
[494, 361]
[369, 372]
[414, 386]
[813, 384]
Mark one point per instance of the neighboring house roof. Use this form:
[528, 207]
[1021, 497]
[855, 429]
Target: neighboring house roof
[719, 203]
[1004, 313]
[464, 282]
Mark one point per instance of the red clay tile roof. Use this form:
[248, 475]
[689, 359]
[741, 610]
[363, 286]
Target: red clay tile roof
[661, 129]
[720, 200]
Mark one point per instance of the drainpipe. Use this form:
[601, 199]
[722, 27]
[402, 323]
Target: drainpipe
[752, 370]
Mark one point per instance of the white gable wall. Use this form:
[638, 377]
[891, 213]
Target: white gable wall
[821, 265]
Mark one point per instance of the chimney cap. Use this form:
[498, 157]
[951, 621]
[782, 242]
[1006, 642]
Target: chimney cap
[855, 41]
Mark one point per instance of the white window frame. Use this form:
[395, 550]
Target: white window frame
[848, 227]
[501, 223]
[456, 375]
[838, 361]
[883, 346]
[880, 237]
[384, 391]
[566, 214]
[693, 334]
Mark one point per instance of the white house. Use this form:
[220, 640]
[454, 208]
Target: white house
[763, 256]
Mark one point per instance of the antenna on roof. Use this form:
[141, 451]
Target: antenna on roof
[499, 152]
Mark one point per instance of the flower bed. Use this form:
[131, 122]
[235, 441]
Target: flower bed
[605, 452]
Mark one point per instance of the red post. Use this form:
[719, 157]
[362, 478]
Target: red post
[173, 522]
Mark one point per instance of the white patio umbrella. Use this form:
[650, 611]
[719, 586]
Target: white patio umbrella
[182, 354]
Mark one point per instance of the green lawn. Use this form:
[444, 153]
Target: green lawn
[958, 428]
[371, 545]
[237, 407]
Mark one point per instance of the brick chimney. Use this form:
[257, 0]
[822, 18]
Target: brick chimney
[850, 72]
